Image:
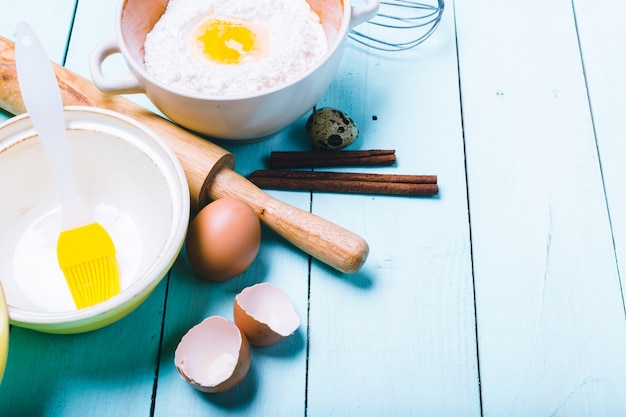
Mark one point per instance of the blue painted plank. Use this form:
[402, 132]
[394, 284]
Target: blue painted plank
[107, 372]
[276, 382]
[398, 338]
[39, 14]
[551, 332]
[604, 70]
[50, 20]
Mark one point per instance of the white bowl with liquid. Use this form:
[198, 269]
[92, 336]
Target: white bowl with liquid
[137, 190]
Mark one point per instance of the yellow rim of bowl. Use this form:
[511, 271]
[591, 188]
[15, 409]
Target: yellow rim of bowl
[4, 332]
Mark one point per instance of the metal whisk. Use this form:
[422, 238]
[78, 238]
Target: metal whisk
[411, 23]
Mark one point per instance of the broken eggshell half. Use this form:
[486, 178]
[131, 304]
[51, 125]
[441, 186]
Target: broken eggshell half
[265, 314]
[213, 356]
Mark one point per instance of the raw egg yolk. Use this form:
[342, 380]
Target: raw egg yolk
[228, 42]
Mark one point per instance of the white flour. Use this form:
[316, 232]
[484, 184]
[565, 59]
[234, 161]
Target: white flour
[296, 40]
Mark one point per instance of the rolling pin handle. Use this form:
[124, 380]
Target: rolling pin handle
[320, 238]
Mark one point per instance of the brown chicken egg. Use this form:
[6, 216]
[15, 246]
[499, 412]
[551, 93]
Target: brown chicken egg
[213, 356]
[265, 314]
[223, 239]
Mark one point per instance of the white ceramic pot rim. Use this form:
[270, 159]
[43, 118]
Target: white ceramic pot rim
[176, 236]
[352, 16]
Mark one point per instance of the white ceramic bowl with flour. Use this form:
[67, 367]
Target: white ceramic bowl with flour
[235, 116]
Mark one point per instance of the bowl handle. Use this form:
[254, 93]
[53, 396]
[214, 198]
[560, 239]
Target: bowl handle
[364, 13]
[127, 84]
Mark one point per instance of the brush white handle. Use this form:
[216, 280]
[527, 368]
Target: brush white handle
[42, 98]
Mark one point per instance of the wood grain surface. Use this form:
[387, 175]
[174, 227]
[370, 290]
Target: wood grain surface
[500, 296]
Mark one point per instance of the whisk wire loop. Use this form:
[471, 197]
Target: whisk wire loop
[403, 15]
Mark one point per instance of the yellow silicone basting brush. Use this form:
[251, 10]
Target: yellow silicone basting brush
[85, 251]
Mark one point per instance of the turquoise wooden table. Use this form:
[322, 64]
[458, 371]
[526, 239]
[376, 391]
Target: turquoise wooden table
[503, 295]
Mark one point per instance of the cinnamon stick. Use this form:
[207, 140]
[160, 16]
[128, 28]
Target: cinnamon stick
[346, 182]
[318, 159]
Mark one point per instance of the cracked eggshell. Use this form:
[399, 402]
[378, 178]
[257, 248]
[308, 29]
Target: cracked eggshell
[213, 356]
[265, 314]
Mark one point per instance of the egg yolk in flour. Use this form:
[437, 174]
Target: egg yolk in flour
[229, 41]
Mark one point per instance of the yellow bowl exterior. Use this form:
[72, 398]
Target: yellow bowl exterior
[89, 324]
[4, 332]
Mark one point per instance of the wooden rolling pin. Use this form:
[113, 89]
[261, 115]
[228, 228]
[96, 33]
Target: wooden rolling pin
[208, 168]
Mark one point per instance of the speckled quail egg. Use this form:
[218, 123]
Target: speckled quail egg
[330, 128]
